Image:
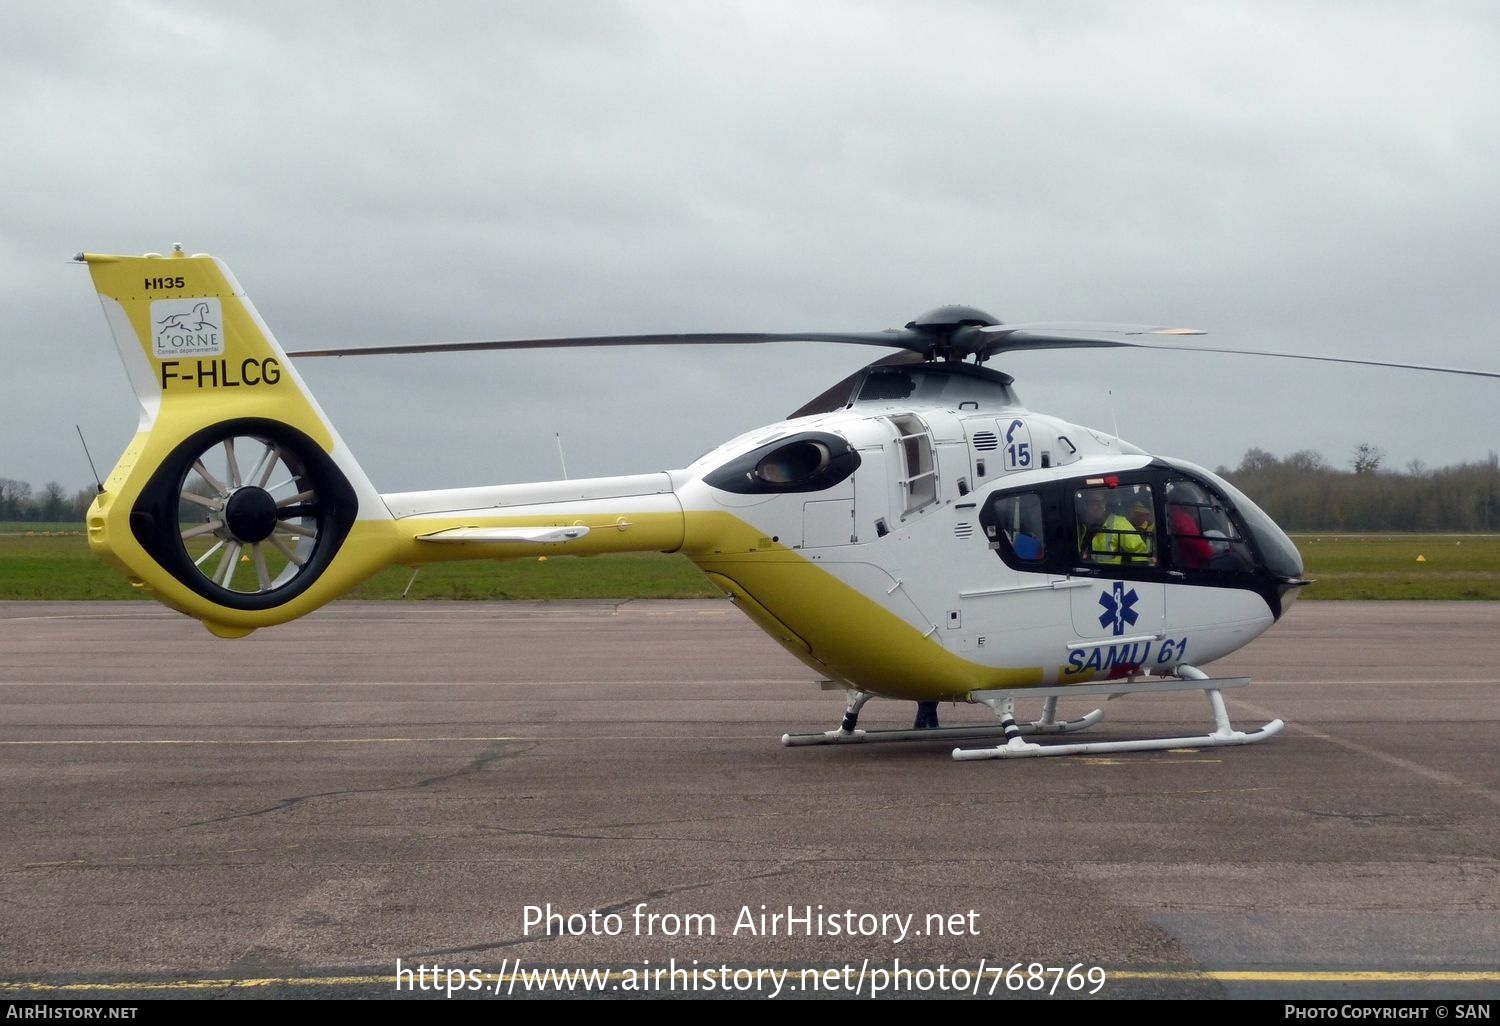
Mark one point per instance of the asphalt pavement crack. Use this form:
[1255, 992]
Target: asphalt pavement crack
[495, 753]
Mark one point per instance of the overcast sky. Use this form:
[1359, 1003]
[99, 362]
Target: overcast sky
[1315, 177]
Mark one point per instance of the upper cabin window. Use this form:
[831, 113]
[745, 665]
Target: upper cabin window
[1116, 526]
[919, 484]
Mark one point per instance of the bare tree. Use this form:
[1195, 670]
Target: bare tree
[1306, 459]
[15, 499]
[1256, 460]
[52, 504]
[1367, 458]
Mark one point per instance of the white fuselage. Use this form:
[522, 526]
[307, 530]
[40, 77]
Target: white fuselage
[894, 576]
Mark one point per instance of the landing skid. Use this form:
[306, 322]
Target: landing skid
[1002, 702]
[1192, 679]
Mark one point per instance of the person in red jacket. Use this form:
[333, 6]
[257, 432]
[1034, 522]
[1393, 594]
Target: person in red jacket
[1191, 551]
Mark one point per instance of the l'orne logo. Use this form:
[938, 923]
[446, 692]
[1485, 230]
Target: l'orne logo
[187, 328]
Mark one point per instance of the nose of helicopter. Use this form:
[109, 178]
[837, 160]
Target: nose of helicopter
[1282, 560]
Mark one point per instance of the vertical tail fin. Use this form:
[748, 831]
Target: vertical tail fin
[236, 502]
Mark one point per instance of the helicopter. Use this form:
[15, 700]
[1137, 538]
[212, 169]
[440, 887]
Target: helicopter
[912, 533]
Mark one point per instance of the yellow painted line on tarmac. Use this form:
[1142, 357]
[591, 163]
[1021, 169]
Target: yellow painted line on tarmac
[530, 974]
[1315, 976]
[188, 985]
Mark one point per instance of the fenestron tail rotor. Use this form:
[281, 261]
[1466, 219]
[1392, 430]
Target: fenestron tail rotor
[247, 513]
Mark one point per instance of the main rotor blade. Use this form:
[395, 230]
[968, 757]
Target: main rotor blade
[894, 338]
[1009, 338]
[1019, 338]
[1325, 359]
[1122, 343]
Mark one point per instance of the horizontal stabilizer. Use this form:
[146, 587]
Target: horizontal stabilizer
[475, 535]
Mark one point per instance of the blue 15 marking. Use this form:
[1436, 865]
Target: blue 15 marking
[1017, 446]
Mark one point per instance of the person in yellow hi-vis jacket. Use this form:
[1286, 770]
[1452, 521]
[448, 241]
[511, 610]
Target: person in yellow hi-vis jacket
[1105, 537]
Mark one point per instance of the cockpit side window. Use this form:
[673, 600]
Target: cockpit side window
[1158, 523]
[1201, 534]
